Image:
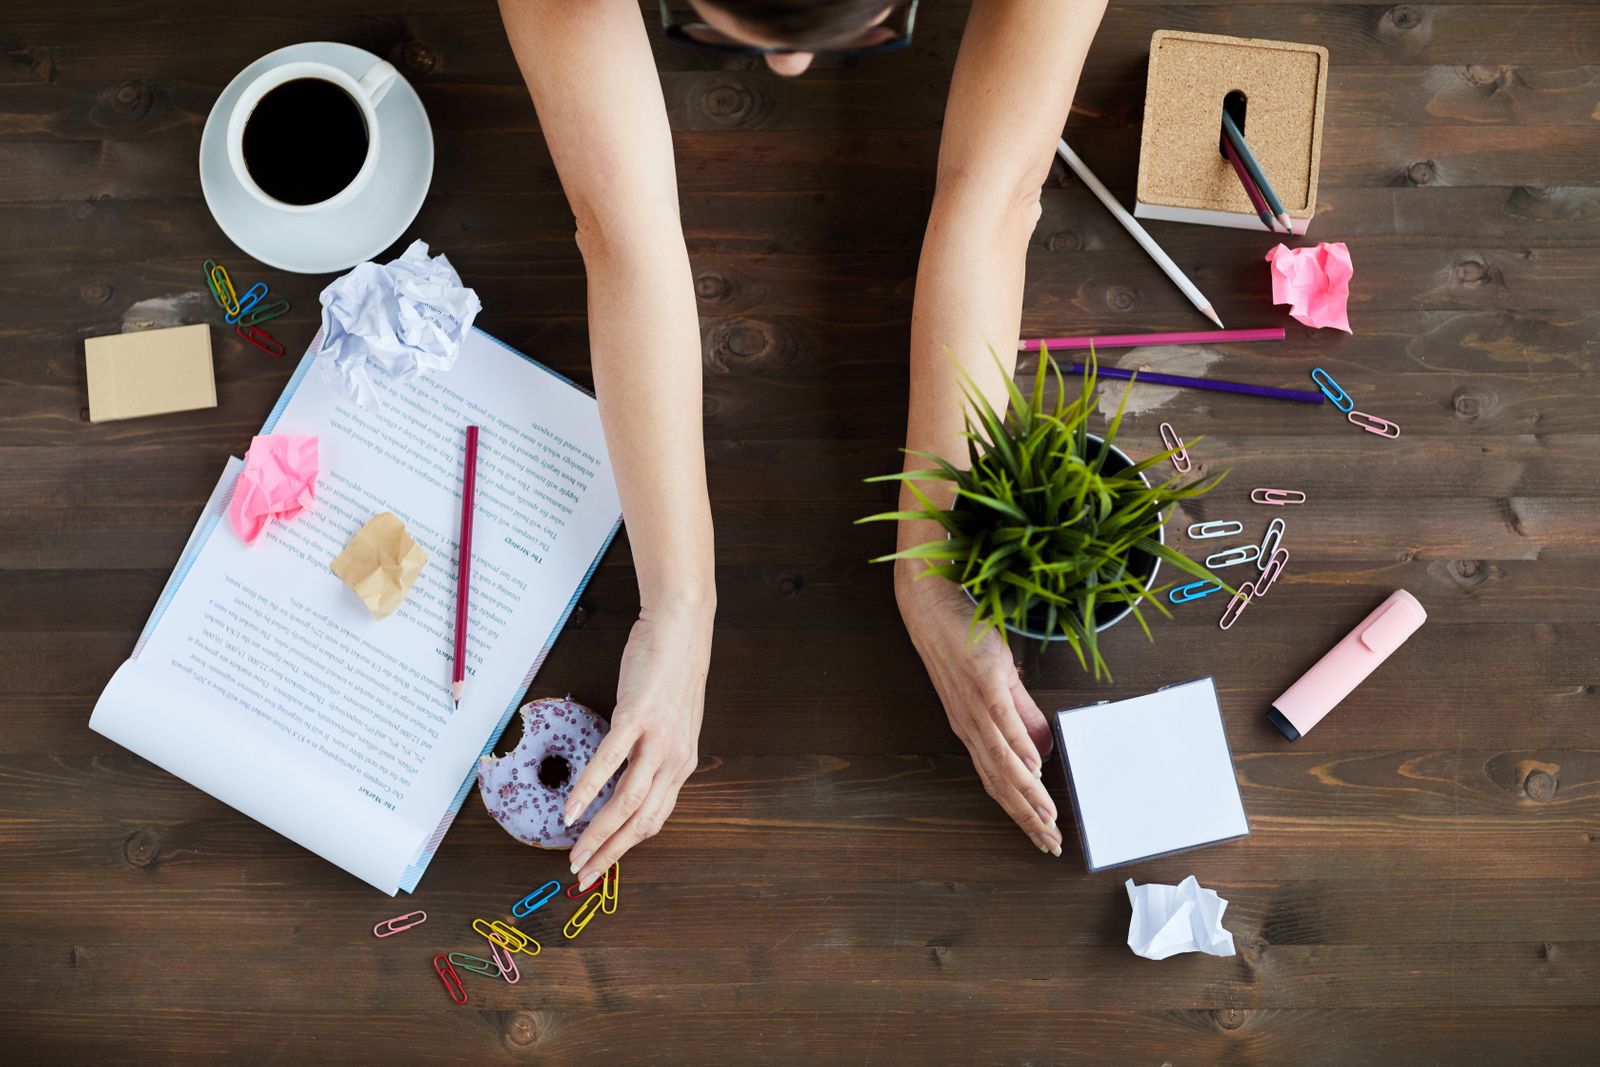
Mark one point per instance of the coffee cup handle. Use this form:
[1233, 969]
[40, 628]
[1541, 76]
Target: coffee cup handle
[376, 83]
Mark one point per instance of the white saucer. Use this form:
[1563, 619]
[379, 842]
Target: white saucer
[336, 240]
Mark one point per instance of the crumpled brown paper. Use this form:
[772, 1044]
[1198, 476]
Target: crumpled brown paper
[380, 563]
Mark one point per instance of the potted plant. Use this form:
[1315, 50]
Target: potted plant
[1054, 532]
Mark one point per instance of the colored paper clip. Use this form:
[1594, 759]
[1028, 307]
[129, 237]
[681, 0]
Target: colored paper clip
[1193, 591]
[582, 917]
[503, 959]
[451, 980]
[1232, 557]
[1373, 424]
[608, 892]
[265, 312]
[1332, 390]
[533, 901]
[1236, 606]
[573, 893]
[1279, 497]
[510, 937]
[476, 964]
[1270, 542]
[1174, 443]
[394, 925]
[211, 283]
[252, 296]
[1215, 528]
[1272, 571]
[261, 339]
[224, 289]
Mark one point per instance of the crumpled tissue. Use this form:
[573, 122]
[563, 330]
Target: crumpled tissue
[279, 481]
[1314, 282]
[1169, 919]
[380, 563]
[393, 321]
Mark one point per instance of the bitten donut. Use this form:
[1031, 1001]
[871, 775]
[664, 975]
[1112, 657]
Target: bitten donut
[526, 789]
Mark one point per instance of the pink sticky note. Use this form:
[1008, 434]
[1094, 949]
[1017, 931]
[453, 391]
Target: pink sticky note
[278, 482]
[1314, 282]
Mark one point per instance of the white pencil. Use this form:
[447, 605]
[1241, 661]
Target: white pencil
[1131, 224]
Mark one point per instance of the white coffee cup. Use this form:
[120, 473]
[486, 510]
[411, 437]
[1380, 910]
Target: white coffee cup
[365, 92]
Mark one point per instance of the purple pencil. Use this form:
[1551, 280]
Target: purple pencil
[1181, 381]
[1134, 340]
[1257, 201]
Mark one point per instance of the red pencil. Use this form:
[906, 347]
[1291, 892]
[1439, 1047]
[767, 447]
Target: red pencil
[469, 481]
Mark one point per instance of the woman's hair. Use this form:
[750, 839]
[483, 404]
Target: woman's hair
[802, 22]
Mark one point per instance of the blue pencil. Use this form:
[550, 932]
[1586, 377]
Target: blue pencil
[1231, 129]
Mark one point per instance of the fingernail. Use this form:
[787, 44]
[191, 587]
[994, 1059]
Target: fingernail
[1055, 850]
[1038, 774]
[566, 818]
[578, 860]
[1037, 840]
[585, 883]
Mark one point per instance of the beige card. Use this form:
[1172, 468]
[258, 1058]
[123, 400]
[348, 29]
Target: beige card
[150, 372]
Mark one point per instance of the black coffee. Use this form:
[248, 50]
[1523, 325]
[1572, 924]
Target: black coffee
[305, 141]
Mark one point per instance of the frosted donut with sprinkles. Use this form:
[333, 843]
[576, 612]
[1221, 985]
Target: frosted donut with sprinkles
[527, 789]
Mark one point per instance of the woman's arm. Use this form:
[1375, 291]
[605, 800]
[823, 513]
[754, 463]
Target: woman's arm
[1014, 80]
[595, 87]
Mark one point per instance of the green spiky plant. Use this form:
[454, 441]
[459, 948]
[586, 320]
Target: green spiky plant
[1038, 533]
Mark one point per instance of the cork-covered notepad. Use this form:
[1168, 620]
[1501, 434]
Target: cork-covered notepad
[150, 372]
[1183, 175]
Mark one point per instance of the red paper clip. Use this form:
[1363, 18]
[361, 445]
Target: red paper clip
[1236, 606]
[595, 888]
[261, 339]
[1373, 424]
[1271, 572]
[1279, 497]
[399, 923]
[1174, 443]
[451, 980]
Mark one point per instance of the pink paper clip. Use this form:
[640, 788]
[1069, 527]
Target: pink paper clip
[503, 960]
[399, 923]
[1174, 443]
[1279, 497]
[1271, 572]
[1373, 424]
[261, 339]
[1236, 606]
[451, 980]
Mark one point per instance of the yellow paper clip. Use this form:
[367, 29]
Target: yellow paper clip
[608, 888]
[224, 284]
[583, 916]
[506, 936]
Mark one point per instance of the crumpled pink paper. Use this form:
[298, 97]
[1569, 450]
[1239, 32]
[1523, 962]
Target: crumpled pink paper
[1314, 282]
[278, 482]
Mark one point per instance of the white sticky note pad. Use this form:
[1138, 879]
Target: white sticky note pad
[1150, 775]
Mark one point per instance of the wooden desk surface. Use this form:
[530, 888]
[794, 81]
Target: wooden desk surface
[1422, 880]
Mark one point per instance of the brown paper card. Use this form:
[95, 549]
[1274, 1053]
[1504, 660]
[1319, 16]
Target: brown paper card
[380, 563]
[149, 372]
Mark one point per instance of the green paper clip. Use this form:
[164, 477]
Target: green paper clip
[211, 283]
[475, 964]
[264, 312]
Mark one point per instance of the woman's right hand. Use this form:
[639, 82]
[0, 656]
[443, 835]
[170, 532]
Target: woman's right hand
[1004, 731]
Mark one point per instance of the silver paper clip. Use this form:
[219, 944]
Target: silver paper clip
[1272, 571]
[1174, 443]
[1232, 557]
[1332, 390]
[1236, 606]
[1183, 594]
[1373, 424]
[1270, 542]
[1215, 528]
[1279, 497]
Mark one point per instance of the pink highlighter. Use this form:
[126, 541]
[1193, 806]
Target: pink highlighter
[1346, 665]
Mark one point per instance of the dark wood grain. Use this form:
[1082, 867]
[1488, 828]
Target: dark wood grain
[1419, 883]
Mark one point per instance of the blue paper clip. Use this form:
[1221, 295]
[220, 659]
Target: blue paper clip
[1332, 390]
[533, 901]
[250, 299]
[1193, 591]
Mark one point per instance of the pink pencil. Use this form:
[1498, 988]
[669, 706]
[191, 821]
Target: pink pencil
[1133, 340]
[469, 481]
